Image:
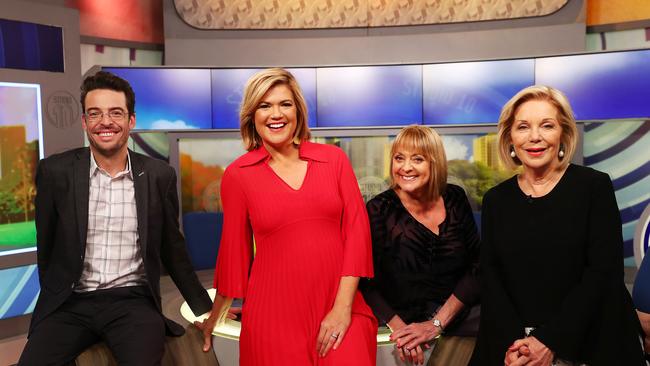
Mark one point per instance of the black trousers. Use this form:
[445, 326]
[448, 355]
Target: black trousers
[125, 318]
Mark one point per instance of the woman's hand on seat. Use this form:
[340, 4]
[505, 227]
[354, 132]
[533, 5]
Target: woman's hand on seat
[206, 326]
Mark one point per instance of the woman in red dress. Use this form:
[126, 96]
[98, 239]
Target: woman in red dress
[301, 202]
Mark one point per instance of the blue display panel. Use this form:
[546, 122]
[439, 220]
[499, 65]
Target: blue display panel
[472, 92]
[31, 46]
[228, 89]
[170, 99]
[601, 86]
[369, 96]
[19, 290]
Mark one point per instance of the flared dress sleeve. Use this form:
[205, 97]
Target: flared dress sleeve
[236, 247]
[357, 245]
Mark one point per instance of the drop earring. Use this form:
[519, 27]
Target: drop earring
[561, 153]
[512, 152]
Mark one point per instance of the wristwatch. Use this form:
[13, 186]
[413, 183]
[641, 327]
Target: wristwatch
[436, 323]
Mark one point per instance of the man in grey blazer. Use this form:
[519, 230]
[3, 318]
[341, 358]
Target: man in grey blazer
[106, 218]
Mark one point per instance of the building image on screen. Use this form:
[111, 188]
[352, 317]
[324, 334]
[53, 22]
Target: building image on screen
[20, 122]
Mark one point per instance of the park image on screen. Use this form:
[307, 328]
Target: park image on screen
[20, 126]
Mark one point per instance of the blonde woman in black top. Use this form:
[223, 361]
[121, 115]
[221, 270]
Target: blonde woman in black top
[552, 249]
[425, 248]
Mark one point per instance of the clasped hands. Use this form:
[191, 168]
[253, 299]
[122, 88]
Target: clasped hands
[411, 340]
[528, 351]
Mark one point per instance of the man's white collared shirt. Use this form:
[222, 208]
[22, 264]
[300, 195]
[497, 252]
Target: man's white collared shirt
[112, 257]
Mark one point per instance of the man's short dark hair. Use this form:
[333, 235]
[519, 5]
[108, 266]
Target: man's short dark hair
[107, 80]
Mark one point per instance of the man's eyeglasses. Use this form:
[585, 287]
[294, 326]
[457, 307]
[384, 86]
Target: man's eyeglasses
[115, 115]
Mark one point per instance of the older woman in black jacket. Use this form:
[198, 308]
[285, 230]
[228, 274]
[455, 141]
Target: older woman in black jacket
[552, 250]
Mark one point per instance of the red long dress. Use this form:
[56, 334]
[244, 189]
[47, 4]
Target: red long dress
[306, 239]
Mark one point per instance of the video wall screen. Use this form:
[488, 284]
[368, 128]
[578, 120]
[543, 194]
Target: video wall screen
[369, 95]
[228, 90]
[20, 150]
[31, 46]
[472, 92]
[472, 165]
[601, 86]
[609, 85]
[170, 99]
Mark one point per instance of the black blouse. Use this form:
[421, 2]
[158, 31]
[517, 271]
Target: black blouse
[415, 269]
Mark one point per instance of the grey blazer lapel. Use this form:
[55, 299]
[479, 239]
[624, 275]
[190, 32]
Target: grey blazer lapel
[81, 171]
[141, 185]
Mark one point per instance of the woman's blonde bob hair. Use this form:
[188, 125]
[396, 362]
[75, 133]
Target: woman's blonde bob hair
[256, 87]
[425, 141]
[569, 138]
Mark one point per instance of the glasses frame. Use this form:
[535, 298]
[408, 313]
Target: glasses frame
[102, 114]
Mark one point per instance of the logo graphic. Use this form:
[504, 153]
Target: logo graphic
[62, 109]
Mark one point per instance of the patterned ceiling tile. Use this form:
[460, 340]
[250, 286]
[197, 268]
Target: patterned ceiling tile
[300, 14]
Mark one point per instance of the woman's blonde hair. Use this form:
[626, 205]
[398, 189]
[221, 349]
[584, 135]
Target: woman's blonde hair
[569, 137]
[425, 141]
[256, 87]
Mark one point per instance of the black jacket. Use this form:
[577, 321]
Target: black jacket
[62, 183]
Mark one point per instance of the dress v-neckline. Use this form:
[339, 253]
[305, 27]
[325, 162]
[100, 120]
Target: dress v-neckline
[284, 182]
